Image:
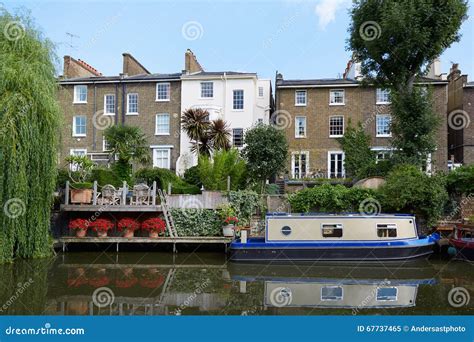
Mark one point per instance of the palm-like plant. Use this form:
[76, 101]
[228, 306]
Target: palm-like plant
[219, 134]
[127, 144]
[205, 136]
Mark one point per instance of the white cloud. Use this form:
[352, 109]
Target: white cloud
[326, 10]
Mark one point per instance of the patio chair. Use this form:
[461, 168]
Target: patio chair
[140, 195]
[110, 196]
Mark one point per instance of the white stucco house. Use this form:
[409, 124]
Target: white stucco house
[239, 98]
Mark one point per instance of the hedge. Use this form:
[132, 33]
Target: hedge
[197, 222]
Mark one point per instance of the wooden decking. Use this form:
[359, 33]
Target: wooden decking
[111, 208]
[196, 240]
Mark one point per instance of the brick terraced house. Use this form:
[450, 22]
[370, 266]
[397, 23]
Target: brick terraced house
[90, 102]
[315, 112]
[460, 117]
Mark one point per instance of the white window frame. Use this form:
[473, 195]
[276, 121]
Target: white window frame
[233, 140]
[293, 160]
[155, 149]
[379, 92]
[169, 92]
[156, 123]
[333, 98]
[301, 104]
[343, 126]
[79, 135]
[201, 89]
[388, 226]
[332, 287]
[76, 97]
[381, 135]
[297, 133]
[104, 145]
[105, 104]
[233, 100]
[128, 104]
[343, 171]
[261, 92]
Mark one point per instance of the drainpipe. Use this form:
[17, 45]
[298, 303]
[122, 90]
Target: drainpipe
[94, 137]
[224, 107]
[116, 96]
[124, 89]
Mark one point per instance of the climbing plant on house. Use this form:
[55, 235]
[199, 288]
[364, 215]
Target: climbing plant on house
[29, 122]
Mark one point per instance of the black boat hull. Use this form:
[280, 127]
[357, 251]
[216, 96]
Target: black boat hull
[330, 254]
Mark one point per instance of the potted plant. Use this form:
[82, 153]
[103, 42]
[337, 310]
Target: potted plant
[126, 279]
[80, 168]
[102, 226]
[229, 220]
[80, 225]
[155, 226]
[128, 226]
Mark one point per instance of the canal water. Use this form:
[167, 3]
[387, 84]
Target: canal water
[138, 283]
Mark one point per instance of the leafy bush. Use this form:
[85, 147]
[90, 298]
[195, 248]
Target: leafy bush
[163, 177]
[329, 198]
[272, 189]
[191, 176]
[197, 222]
[213, 174]
[245, 203]
[461, 180]
[409, 190]
[105, 176]
[61, 178]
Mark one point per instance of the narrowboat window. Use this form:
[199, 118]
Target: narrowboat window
[386, 230]
[332, 230]
[331, 293]
[286, 230]
[387, 293]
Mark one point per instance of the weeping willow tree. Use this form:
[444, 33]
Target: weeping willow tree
[29, 122]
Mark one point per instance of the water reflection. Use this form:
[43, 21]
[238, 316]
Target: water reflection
[205, 284]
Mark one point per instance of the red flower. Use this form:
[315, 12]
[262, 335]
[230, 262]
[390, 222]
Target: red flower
[154, 224]
[232, 220]
[102, 225]
[99, 281]
[128, 224]
[79, 223]
[126, 283]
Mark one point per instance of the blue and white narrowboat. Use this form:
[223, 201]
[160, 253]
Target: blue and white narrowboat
[323, 237]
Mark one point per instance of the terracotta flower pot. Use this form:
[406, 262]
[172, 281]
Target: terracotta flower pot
[81, 196]
[128, 233]
[80, 233]
[153, 234]
[102, 233]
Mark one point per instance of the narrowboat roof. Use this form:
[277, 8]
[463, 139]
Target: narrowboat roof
[337, 214]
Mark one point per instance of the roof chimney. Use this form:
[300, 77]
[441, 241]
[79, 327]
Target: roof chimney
[76, 68]
[434, 69]
[191, 64]
[131, 66]
[454, 72]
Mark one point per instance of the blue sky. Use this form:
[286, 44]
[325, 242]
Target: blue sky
[301, 39]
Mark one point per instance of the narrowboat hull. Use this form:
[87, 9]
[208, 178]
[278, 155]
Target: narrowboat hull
[257, 250]
[464, 249]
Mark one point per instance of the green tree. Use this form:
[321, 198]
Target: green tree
[396, 41]
[265, 151]
[128, 145]
[219, 134]
[359, 158]
[29, 130]
[213, 173]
